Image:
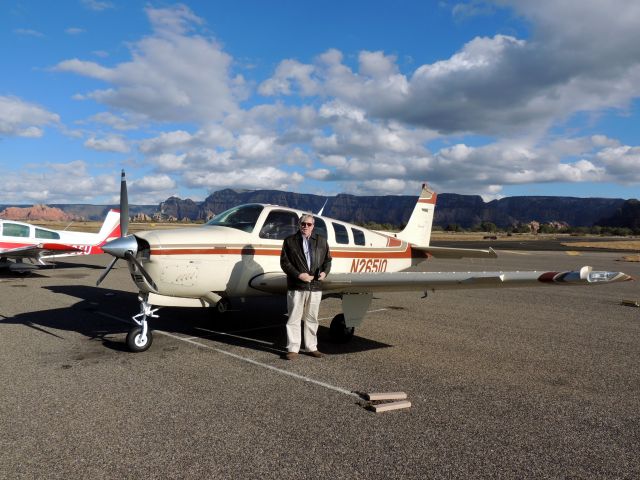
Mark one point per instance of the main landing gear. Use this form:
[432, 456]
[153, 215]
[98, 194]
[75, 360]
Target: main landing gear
[139, 337]
[338, 330]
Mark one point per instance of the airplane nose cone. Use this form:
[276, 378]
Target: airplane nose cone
[120, 246]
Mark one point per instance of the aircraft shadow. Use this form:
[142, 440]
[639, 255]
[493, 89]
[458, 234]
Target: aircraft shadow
[9, 275]
[61, 264]
[42, 270]
[257, 323]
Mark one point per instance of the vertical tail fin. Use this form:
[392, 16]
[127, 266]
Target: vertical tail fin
[110, 227]
[418, 229]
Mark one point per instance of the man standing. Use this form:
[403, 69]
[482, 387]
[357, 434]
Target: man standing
[306, 260]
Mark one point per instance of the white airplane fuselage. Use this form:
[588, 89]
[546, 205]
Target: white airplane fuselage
[193, 262]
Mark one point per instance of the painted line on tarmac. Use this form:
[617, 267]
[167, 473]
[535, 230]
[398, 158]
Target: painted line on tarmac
[228, 334]
[244, 359]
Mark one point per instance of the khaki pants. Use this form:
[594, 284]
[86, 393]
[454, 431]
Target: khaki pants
[303, 305]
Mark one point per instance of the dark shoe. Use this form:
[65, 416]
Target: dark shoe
[291, 356]
[316, 354]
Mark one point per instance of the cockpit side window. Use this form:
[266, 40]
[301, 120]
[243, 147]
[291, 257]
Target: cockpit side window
[358, 236]
[15, 230]
[341, 233]
[243, 217]
[279, 224]
[48, 234]
[319, 227]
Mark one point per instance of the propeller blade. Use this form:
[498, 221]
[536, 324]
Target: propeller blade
[116, 247]
[106, 270]
[130, 257]
[124, 206]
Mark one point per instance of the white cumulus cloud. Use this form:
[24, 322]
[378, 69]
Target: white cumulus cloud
[23, 119]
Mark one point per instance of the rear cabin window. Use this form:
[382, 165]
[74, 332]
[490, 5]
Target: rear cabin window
[341, 233]
[279, 225]
[358, 236]
[319, 227]
[15, 230]
[243, 217]
[40, 233]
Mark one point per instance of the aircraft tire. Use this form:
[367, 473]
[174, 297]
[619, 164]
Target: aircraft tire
[134, 342]
[338, 330]
[222, 306]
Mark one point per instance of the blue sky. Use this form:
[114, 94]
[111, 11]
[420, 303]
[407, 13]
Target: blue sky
[495, 98]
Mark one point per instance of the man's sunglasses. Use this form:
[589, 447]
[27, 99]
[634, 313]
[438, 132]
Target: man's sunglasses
[306, 224]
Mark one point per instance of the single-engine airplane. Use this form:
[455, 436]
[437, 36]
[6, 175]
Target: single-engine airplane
[237, 254]
[22, 241]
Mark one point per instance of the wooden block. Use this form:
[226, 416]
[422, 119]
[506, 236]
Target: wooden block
[384, 407]
[385, 396]
[631, 303]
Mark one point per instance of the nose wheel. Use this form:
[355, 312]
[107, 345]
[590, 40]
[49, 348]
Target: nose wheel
[138, 340]
[139, 337]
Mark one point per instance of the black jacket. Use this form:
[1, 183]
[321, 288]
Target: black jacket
[293, 261]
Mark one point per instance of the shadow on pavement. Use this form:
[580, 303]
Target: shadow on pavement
[256, 323]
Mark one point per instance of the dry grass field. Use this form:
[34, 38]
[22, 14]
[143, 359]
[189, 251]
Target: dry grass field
[94, 227]
[597, 242]
[632, 244]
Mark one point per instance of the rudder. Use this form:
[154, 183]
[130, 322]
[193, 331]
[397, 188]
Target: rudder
[110, 227]
[418, 228]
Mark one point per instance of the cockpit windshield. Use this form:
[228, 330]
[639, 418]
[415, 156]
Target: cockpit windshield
[243, 217]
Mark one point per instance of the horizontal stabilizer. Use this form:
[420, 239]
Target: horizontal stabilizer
[37, 251]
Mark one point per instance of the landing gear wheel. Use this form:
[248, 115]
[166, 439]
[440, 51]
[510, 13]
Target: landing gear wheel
[222, 305]
[338, 331]
[136, 342]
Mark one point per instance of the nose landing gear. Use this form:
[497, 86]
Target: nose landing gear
[139, 337]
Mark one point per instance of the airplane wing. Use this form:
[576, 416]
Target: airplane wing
[37, 251]
[449, 252]
[276, 282]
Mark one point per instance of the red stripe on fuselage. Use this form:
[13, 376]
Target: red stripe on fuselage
[406, 253]
[15, 245]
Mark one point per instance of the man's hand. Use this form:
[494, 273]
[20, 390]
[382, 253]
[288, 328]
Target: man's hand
[305, 277]
[321, 276]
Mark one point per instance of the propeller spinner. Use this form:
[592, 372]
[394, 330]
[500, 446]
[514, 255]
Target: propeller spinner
[126, 246]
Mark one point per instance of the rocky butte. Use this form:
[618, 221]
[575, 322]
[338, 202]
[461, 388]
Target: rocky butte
[464, 210]
[37, 212]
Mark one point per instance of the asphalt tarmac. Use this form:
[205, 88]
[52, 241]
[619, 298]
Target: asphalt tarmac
[543, 244]
[504, 383]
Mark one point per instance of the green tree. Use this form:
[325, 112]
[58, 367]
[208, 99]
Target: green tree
[488, 227]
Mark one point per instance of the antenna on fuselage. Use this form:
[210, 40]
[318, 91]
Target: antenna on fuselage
[322, 209]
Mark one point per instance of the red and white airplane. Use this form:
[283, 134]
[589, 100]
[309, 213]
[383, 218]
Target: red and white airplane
[237, 254]
[22, 241]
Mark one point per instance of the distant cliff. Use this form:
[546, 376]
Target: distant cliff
[627, 215]
[463, 210]
[37, 212]
[67, 211]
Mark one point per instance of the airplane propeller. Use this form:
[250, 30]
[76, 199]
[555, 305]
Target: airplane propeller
[126, 246]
